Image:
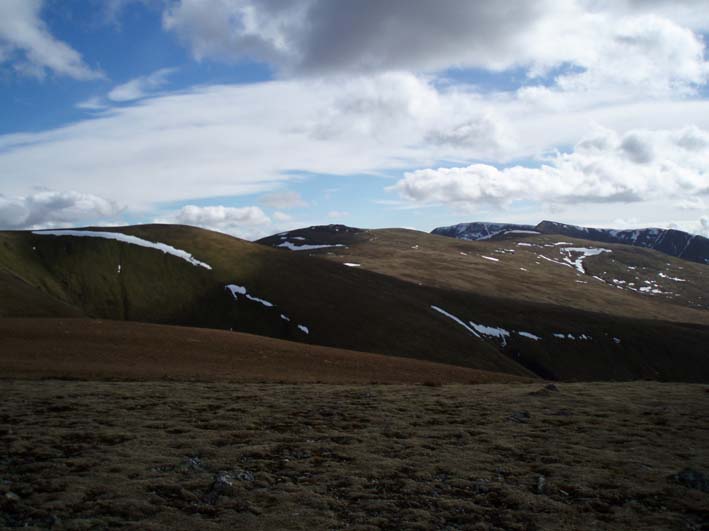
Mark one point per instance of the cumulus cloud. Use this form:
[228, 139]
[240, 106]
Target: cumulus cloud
[604, 167]
[25, 42]
[49, 208]
[141, 86]
[283, 200]
[239, 221]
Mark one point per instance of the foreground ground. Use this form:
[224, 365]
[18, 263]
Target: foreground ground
[189, 455]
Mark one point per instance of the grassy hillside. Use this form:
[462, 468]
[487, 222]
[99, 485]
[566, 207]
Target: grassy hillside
[523, 284]
[524, 267]
[417, 301]
[339, 308]
[110, 350]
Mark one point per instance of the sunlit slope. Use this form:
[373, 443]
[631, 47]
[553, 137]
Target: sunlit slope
[528, 298]
[526, 268]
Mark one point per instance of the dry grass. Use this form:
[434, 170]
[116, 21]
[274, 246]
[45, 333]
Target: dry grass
[109, 350]
[170, 455]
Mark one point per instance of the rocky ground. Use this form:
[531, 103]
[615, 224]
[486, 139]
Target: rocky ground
[171, 455]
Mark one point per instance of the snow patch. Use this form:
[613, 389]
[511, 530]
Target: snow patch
[304, 329]
[491, 331]
[490, 258]
[584, 252]
[529, 335]
[294, 247]
[456, 319]
[235, 290]
[672, 278]
[351, 264]
[125, 238]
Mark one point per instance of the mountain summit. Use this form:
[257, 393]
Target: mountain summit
[668, 241]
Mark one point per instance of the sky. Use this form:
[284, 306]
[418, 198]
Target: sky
[255, 117]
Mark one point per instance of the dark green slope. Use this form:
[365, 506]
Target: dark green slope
[338, 306]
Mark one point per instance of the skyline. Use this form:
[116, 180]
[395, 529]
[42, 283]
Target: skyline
[256, 117]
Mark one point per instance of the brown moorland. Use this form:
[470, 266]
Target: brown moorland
[176, 455]
[107, 350]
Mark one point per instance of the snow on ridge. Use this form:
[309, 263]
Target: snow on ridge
[351, 264]
[492, 331]
[235, 289]
[456, 319]
[585, 252]
[306, 247]
[126, 238]
[529, 335]
[671, 278]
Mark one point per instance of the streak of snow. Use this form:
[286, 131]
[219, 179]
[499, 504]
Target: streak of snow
[125, 238]
[490, 258]
[293, 247]
[491, 331]
[672, 278]
[553, 261]
[235, 289]
[584, 252]
[304, 329]
[350, 264]
[456, 319]
[529, 335]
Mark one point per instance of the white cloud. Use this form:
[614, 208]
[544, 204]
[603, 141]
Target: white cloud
[25, 42]
[337, 214]
[49, 209]
[141, 86]
[283, 200]
[703, 228]
[639, 165]
[248, 222]
[623, 43]
[221, 216]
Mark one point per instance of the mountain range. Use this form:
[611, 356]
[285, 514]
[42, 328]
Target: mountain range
[668, 241]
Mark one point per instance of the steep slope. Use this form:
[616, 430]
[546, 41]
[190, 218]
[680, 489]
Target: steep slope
[668, 241]
[584, 324]
[247, 287]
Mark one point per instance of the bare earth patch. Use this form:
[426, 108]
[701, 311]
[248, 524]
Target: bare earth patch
[187, 455]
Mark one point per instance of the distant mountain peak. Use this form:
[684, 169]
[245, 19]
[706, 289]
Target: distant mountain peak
[669, 241]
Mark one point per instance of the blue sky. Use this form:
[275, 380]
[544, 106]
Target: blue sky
[255, 117]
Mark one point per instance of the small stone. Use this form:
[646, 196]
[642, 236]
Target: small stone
[12, 496]
[223, 484]
[541, 482]
[520, 416]
[245, 475]
[692, 479]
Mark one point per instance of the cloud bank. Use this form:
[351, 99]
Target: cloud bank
[605, 167]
